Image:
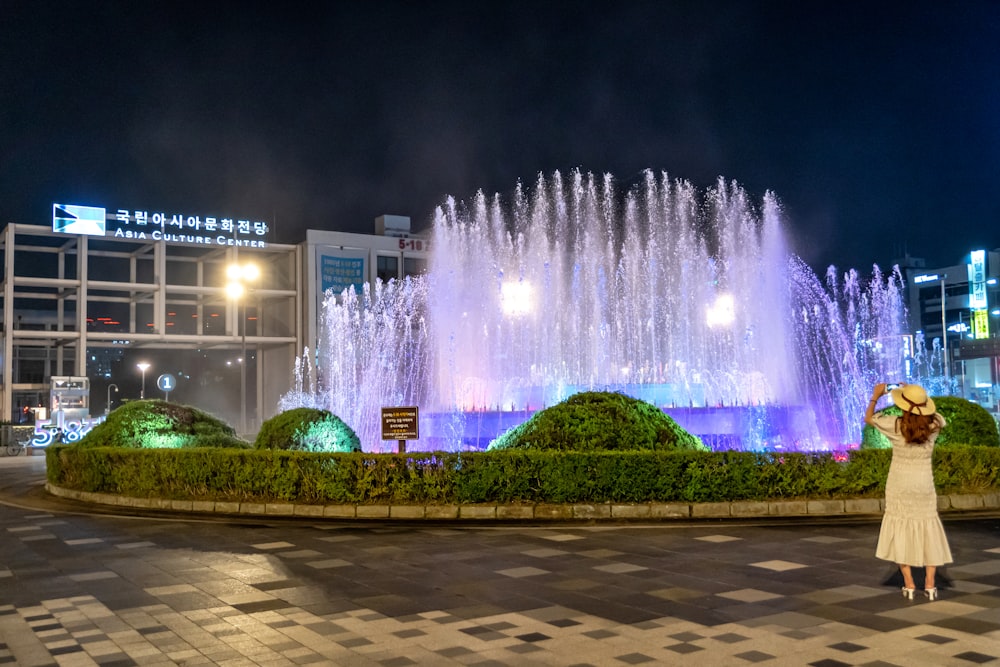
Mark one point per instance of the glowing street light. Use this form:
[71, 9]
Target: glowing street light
[240, 276]
[143, 367]
[107, 406]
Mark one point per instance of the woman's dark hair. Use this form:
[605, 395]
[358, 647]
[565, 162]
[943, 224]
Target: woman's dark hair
[916, 429]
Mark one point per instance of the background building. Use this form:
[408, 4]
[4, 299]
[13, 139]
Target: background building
[956, 308]
[335, 261]
[86, 299]
[90, 305]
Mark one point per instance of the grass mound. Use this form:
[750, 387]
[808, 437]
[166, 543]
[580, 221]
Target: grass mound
[307, 430]
[599, 421]
[159, 424]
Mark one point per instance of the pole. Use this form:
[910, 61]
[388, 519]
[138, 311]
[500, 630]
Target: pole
[944, 338]
[243, 371]
[107, 406]
[142, 366]
[240, 276]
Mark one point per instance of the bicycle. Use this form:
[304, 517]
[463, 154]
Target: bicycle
[12, 450]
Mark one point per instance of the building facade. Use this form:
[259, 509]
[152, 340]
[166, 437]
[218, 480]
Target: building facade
[125, 304]
[335, 261]
[91, 305]
[955, 311]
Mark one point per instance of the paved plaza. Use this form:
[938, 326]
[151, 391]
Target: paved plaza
[79, 587]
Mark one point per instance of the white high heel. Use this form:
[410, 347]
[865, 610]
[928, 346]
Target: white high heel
[931, 593]
[908, 592]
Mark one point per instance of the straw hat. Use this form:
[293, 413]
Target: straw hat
[913, 398]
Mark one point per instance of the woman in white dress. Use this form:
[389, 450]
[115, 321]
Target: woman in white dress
[911, 533]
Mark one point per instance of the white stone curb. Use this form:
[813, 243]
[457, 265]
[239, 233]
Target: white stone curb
[744, 509]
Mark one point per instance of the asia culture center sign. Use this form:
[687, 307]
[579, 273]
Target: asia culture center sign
[158, 226]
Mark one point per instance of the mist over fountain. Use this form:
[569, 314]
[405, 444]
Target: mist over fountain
[689, 300]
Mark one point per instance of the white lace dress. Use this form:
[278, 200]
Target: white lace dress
[911, 532]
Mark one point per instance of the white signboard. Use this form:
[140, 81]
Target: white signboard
[144, 225]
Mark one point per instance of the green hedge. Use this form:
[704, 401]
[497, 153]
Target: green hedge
[498, 477]
[967, 423]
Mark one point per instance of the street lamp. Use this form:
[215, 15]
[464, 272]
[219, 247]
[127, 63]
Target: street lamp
[107, 406]
[944, 336]
[142, 366]
[240, 276]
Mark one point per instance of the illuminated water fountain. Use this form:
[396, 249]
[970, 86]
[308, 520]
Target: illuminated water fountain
[689, 300]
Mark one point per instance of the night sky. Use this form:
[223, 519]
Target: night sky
[877, 124]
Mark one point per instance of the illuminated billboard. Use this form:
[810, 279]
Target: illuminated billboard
[978, 302]
[72, 219]
[977, 280]
[338, 273]
[143, 225]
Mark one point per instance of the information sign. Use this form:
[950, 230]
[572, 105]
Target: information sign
[400, 424]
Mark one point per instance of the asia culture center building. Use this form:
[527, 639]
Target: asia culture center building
[106, 305]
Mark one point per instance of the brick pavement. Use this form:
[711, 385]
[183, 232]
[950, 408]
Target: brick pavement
[80, 588]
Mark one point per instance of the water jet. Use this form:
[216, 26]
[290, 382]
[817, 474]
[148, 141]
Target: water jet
[688, 299]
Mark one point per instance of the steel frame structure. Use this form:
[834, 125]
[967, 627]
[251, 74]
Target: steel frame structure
[65, 282]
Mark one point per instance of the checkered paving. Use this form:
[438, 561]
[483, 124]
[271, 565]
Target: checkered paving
[111, 591]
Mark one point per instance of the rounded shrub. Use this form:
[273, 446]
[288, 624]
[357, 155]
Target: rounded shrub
[159, 424]
[599, 421]
[307, 430]
[968, 423]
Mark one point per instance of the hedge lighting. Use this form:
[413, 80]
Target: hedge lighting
[517, 298]
[722, 312]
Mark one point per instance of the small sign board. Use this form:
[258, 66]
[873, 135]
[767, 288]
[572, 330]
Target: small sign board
[400, 423]
[166, 383]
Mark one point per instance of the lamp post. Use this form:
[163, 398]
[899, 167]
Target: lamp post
[107, 406]
[944, 336]
[240, 275]
[142, 366]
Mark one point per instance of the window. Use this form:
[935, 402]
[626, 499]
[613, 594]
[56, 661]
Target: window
[387, 268]
[414, 266]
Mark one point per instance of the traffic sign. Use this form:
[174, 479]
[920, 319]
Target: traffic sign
[166, 383]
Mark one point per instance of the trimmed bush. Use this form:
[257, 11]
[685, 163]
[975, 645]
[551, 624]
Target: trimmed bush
[307, 430]
[591, 421]
[159, 424]
[516, 476]
[968, 424]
